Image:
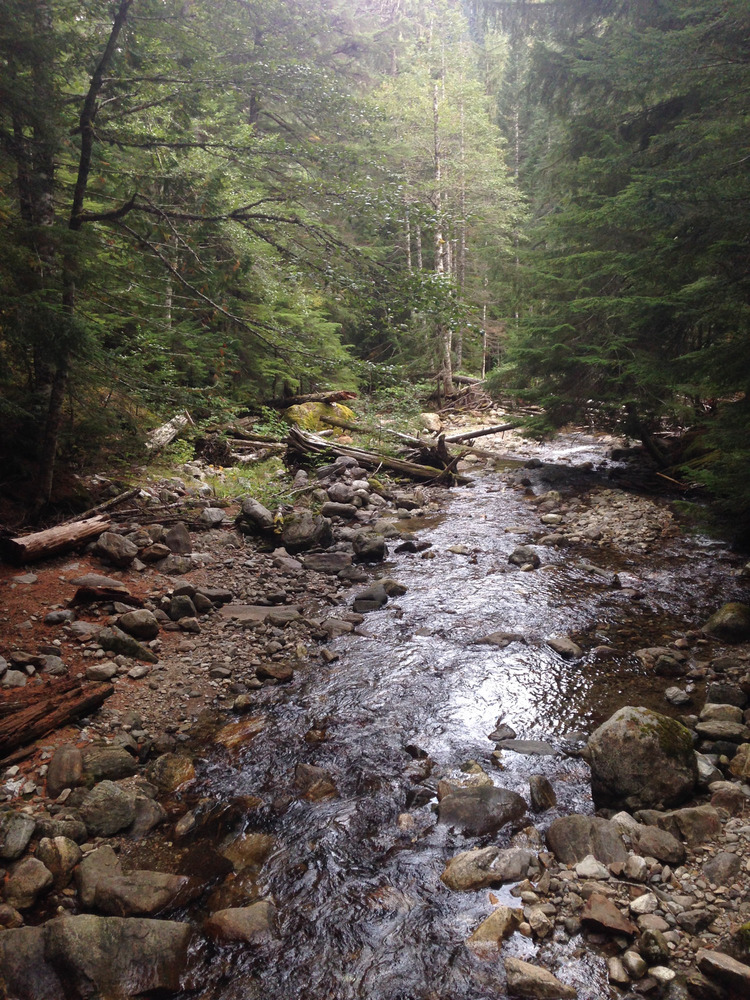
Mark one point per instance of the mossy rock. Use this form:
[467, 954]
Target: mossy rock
[310, 416]
[731, 623]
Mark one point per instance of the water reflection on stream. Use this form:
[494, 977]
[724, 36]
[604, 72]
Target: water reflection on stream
[362, 911]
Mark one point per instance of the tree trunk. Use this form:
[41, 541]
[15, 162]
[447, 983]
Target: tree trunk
[48, 714]
[43, 544]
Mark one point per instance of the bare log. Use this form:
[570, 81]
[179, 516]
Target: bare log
[470, 435]
[161, 436]
[282, 402]
[467, 380]
[48, 714]
[306, 443]
[43, 544]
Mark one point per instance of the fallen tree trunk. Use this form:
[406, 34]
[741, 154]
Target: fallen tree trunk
[282, 402]
[48, 714]
[43, 544]
[470, 435]
[347, 425]
[161, 436]
[313, 443]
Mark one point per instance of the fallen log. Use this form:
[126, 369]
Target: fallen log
[470, 435]
[95, 595]
[51, 541]
[101, 507]
[347, 425]
[282, 402]
[163, 435]
[48, 714]
[312, 443]
[16, 699]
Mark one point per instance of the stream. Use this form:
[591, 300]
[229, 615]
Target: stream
[362, 912]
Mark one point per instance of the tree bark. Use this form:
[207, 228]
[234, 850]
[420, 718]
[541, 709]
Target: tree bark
[48, 714]
[43, 544]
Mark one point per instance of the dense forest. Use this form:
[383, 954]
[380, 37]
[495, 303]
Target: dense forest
[205, 203]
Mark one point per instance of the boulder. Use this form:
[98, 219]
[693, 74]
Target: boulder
[141, 624]
[486, 866]
[107, 809]
[16, 830]
[254, 518]
[116, 549]
[731, 623]
[28, 880]
[480, 810]
[303, 530]
[137, 893]
[114, 640]
[60, 855]
[178, 540]
[650, 841]
[573, 838]
[170, 771]
[640, 759]
[725, 970]
[99, 864]
[527, 980]
[117, 957]
[369, 547]
[109, 762]
[25, 972]
[500, 924]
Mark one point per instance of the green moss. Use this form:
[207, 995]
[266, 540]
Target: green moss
[674, 739]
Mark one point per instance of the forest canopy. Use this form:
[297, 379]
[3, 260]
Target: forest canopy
[203, 202]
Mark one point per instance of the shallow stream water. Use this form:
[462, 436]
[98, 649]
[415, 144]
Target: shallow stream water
[362, 912]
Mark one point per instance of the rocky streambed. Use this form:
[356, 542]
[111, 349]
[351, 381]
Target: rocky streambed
[353, 755]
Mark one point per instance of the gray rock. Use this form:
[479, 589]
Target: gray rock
[254, 518]
[102, 671]
[524, 555]
[527, 980]
[14, 679]
[212, 516]
[16, 830]
[59, 617]
[347, 511]
[500, 639]
[26, 973]
[676, 696]
[720, 729]
[28, 880]
[216, 595]
[141, 624]
[107, 762]
[639, 759]
[652, 842]
[137, 893]
[118, 957]
[327, 562]
[178, 540]
[369, 547]
[53, 665]
[726, 693]
[148, 815]
[536, 748]
[341, 493]
[565, 647]
[708, 772]
[114, 640]
[572, 838]
[303, 530]
[723, 868]
[107, 809]
[116, 549]
[181, 606]
[101, 863]
[370, 599]
[725, 970]
[480, 810]
[63, 825]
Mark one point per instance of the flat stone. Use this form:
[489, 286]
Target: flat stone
[260, 612]
[500, 639]
[327, 562]
[250, 924]
[137, 893]
[537, 748]
[603, 912]
[480, 810]
[527, 980]
[485, 867]
[725, 970]
[719, 729]
[565, 647]
[500, 924]
[572, 838]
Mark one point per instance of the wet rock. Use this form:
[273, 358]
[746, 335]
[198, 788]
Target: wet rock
[116, 549]
[369, 547]
[500, 639]
[485, 867]
[370, 599]
[107, 762]
[731, 623]
[101, 863]
[251, 924]
[538, 748]
[148, 815]
[170, 771]
[664, 661]
[500, 924]
[527, 980]
[28, 880]
[640, 759]
[572, 838]
[141, 624]
[60, 855]
[107, 809]
[542, 794]
[315, 783]
[524, 555]
[137, 893]
[565, 647]
[480, 810]
[303, 530]
[254, 518]
[249, 851]
[115, 956]
[26, 973]
[114, 640]
[16, 830]
[178, 540]
[653, 946]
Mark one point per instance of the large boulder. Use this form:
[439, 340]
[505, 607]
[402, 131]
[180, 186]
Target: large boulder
[254, 518]
[107, 809]
[24, 972]
[116, 549]
[640, 759]
[115, 956]
[480, 810]
[303, 530]
[573, 838]
[731, 623]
